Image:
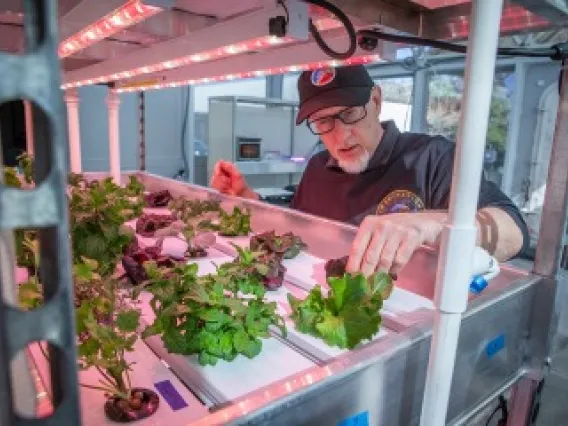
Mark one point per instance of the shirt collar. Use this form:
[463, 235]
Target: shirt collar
[384, 150]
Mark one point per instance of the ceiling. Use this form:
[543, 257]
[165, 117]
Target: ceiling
[180, 25]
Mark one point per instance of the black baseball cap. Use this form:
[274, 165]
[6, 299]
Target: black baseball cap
[329, 87]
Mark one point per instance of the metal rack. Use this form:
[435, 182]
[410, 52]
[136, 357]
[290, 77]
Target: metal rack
[34, 76]
[504, 335]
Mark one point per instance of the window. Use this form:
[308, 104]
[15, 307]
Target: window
[255, 87]
[444, 104]
[397, 100]
[290, 87]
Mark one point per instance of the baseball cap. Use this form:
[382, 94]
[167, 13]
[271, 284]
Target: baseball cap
[330, 87]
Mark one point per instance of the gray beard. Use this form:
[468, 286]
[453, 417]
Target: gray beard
[355, 166]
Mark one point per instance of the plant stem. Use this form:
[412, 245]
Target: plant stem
[128, 383]
[106, 376]
[114, 392]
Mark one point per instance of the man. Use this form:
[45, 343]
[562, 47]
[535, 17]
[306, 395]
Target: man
[395, 186]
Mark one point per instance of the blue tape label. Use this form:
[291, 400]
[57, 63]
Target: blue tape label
[171, 395]
[495, 346]
[361, 419]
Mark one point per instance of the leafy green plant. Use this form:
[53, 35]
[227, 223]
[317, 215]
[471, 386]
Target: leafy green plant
[106, 329]
[98, 211]
[106, 324]
[26, 165]
[217, 316]
[232, 224]
[350, 312]
[11, 177]
[286, 245]
[24, 258]
[186, 210]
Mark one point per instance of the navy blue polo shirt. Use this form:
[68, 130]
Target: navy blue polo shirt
[408, 172]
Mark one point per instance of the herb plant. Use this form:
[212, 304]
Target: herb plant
[98, 211]
[106, 324]
[350, 312]
[24, 257]
[26, 165]
[158, 198]
[106, 329]
[217, 316]
[232, 224]
[286, 245]
[187, 210]
[11, 177]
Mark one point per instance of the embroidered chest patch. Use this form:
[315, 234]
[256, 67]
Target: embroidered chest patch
[400, 201]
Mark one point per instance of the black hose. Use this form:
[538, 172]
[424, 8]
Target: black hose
[554, 52]
[346, 23]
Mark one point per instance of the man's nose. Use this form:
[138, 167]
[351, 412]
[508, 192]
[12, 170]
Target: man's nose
[341, 130]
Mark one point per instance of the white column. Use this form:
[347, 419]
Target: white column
[72, 102]
[113, 102]
[459, 235]
[29, 127]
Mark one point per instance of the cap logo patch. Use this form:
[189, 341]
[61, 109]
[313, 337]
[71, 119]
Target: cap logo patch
[323, 76]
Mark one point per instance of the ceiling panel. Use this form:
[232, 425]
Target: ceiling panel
[218, 8]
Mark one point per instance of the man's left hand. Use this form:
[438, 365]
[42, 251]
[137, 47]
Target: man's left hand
[386, 243]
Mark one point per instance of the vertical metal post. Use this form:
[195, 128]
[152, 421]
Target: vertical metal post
[141, 132]
[514, 126]
[35, 75]
[113, 103]
[189, 140]
[419, 102]
[459, 235]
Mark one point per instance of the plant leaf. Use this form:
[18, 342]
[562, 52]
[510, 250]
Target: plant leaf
[128, 320]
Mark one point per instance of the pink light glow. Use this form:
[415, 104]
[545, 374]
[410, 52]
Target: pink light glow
[252, 45]
[365, 59]
[130, 13]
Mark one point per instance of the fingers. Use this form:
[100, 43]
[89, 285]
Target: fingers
[359, 246]
[387, 257]
[228, 180]
[382, 245]
[405, 251]
[373, 253]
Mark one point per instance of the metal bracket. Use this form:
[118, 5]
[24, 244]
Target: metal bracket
[35, 76]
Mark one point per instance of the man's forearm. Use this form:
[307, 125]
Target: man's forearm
[497, 232]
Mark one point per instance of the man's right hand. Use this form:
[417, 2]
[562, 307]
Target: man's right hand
[228, 180]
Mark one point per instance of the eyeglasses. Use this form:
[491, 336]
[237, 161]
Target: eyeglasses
[350, 115]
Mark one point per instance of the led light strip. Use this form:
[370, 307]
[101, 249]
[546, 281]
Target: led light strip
[365, 59]
[256, 44]
[253, 45]
[130, 13]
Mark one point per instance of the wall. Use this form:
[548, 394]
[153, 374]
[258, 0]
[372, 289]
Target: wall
[163, 116]
[164, 119]
[93, 122]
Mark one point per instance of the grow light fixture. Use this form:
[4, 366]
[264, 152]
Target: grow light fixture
[364, 59]
[256, 44]
[130, 13]
[260, 43]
